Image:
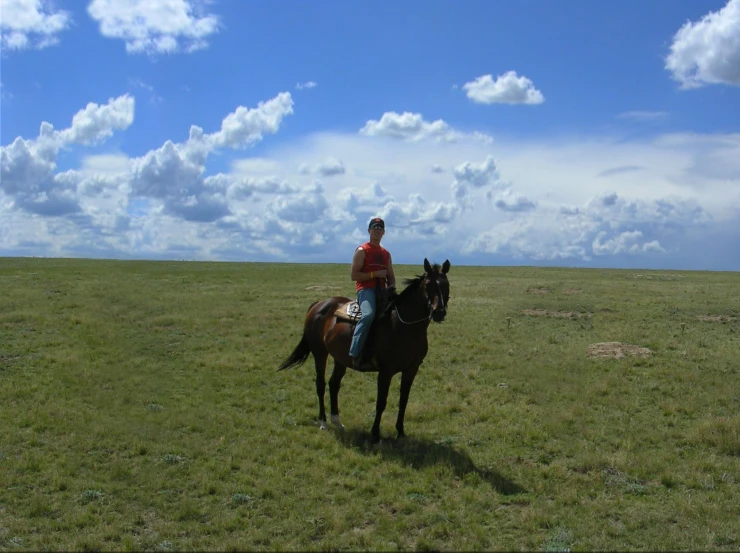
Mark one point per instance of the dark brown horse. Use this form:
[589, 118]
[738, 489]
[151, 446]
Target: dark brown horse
[399, 335]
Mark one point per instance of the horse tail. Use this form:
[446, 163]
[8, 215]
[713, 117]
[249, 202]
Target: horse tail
[299, 355]
[301, 351]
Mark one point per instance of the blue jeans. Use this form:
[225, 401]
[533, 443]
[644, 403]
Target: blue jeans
[366, 299]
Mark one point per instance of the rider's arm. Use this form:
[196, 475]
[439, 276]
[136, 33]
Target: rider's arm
[391, 279]
[358, 260]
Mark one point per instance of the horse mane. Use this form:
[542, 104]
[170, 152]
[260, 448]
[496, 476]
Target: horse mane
[411, 288]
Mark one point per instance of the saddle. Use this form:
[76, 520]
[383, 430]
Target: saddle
[349, 312]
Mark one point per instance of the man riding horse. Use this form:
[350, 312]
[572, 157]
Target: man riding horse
[372, 271]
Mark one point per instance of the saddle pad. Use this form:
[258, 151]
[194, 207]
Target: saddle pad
[349, 312]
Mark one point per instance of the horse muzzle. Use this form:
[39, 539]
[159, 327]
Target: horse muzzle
[438, 315]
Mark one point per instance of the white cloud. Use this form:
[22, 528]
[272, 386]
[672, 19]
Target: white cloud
[96, 123]
[27, 166]
[605, 225]
[173, 176]
[332, 166]
[412, 127]
[508, 88]
[240, 189]
[111, 165]
[307, 207]
[437, 168]
[708, 51]
[477, 174]
[155, 26]
[328, 168]
[246, 126]
[408, 126]
[367, 199]
[307, 84]
[514, 202]
[715, 157]
[169, 178]
[254, 166]
[625, 242]
[31, 24]
[620, 170]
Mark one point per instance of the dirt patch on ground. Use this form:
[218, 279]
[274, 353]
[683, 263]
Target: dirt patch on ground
[556, 314]
[540, 291]
[659, 276]
[715, 318]
[571, 291]
[322, 287]
[616, 350]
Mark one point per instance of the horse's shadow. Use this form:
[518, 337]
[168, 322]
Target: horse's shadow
[420, 452]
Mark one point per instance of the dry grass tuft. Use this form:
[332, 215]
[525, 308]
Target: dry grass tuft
[715, 318]
[616, 350]
[322, 287]
[556, 314]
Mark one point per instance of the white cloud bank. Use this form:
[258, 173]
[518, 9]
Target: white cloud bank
[31, 24]
[155, 26]
[708, 51]
[668, 201]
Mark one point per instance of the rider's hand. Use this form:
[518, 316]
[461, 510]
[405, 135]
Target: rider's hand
[383, 273]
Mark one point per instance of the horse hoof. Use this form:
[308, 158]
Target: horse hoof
[336, 422]
[323, 426]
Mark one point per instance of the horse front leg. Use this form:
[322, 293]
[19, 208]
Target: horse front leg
[407, 379]
[335, 382]
[384, 384]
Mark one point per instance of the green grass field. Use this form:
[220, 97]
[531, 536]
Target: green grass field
[140, 408]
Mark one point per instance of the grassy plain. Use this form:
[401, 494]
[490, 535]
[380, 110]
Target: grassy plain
[140, 409]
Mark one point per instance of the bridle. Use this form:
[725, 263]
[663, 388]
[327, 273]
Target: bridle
[429, 305]
[428, 318]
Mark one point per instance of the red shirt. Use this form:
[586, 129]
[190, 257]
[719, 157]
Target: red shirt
[376, 258]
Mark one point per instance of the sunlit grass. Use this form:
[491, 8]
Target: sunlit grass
[141, 410]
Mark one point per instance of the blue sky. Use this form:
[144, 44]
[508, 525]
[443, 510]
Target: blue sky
[574, 133]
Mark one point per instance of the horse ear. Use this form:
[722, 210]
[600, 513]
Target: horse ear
[427, 266]
[446, 266]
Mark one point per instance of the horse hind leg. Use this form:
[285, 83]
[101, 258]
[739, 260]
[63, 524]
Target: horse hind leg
[335, 382]
[320, 363]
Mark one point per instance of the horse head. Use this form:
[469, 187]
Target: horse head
[436, 287]
[426, 295]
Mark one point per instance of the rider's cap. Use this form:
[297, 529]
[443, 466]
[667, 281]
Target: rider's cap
[376, 223]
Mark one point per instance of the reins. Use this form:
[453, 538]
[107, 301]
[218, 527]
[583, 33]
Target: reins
[398, 314]
[428, 318]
